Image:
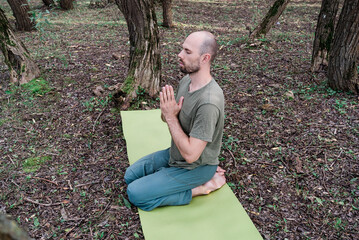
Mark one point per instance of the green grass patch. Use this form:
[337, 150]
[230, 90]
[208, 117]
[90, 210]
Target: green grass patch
[37, 86]
[2, 121]
[34, 163]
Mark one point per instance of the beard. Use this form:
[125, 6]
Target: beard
[190, 68]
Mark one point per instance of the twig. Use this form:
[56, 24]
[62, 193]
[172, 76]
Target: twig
[44, 179]
[12, 161]
[69, 183]
[84, 184]
[104, 209]
[19, 128]
[53, 154]
[266, 163]
[15, 183]
[234, 159]
[42, 204]
[94, 125]
[91, 233]
[72, 228]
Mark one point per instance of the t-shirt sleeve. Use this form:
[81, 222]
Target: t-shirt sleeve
[205, 122]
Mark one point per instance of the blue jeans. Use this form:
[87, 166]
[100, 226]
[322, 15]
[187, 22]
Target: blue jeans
[153, 183]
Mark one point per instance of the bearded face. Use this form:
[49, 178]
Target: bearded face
[189, 66]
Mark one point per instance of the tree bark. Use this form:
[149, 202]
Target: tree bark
[145, 61]
[49, 3]
[17, 58]
[67, 4]
[324, 34]
[9, 230]
[167, 13]
[21, 11]
[343, 59]
[271, 17]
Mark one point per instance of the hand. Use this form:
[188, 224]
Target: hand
[169, 107]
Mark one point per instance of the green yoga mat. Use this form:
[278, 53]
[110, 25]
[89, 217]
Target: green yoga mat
[217, 216]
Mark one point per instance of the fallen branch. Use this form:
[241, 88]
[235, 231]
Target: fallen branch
[43, 179]
[94, 125]
[42, 204]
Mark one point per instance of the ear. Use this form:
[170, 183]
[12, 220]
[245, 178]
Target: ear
[206, 58]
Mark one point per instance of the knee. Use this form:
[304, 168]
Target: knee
[138, 198]
[129, 176]
[134, 195]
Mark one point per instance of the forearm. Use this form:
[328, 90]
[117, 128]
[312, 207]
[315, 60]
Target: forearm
[189, 147]
[182, 141]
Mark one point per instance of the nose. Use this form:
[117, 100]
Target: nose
[180, 54]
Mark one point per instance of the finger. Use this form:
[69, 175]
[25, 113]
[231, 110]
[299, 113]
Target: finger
[161, 98]
[172, 94]
[168, 92]
[164, 93]
[180, 102]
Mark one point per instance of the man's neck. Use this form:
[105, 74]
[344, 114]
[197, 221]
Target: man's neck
[199, 80]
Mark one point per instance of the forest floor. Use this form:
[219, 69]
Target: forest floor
[290, 145]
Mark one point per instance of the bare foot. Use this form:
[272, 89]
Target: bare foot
[217, 181]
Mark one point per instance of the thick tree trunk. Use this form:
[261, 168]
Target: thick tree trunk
[21, 11]
[17, 58]
[324, 34]
[272, 16]
[342, 68]
[49, 3]
[67, 4]
[167, 13]
[145, 61]
[9, 230]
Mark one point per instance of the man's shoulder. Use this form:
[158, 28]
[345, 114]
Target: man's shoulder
[216, 88]
[213, 95]
[215, 91]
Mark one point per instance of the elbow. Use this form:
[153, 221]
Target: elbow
[190, 158]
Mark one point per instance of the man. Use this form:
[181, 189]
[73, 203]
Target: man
[195, 120]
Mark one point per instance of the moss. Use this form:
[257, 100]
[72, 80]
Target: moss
[37, 86]
[5, 40]
[274, 9]
[34, 163]
[23, 68]
[139, 51]
[330, 28]
[128, 85]
[271, 13]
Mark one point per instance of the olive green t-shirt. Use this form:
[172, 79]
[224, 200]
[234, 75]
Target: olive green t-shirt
[201, 117]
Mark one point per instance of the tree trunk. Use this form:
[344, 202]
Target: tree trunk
[17, 58]
[342, 68]
[21, 11]
[272, 16]
[9, 230]
[324, 34]
[67, 4]
[145, 61]
[49, 3]
[167, 13]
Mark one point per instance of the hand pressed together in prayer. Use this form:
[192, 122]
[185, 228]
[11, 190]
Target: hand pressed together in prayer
[169, 107]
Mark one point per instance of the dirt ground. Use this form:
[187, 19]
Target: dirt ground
[290, 146]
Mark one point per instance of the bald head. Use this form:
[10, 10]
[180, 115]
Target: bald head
[207, 43]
